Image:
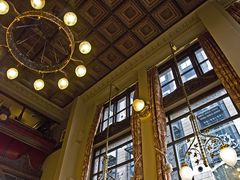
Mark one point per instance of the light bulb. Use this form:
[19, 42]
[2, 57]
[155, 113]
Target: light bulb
[37, 4]
[70, 19]
[85, 47]
[138, 105]
[4, 7]
[3, 117]
[186, 172]
[80, 71]
[228, 155]
[38, 84]
[12, 73]
[63, 83]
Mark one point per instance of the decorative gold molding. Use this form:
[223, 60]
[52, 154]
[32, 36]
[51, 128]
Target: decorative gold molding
[37, 102]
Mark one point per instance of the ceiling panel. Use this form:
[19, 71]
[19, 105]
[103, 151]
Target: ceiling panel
[117, 29]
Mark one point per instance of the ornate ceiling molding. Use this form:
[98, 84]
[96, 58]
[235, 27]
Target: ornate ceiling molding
[33, 100]
[150, 55]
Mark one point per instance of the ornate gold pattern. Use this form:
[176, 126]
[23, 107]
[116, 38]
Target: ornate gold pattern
[137, 142]
[158, 122]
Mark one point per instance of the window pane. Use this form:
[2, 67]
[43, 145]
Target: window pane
[106, 112]
[185, 65]
[124, 153]
[121, 116]
[200, 54]
[166, 76]
[181, 149]
[131, 97]
[168, 88]
[215, 112]
[188, 76]
[130, 110]
[169, 137]
[174, 175]
[119, 142]
[171, 156]
[182, 128]
[105, 124]
[230, 134]
[199, 103]
[224, 172]
[125, 172]
[206, 66]
[96, 163]
[121, 104]
[112, 158]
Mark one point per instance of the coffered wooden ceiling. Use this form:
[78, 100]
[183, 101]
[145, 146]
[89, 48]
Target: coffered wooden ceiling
[117, 29]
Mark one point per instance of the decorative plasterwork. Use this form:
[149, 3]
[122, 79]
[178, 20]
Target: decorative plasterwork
[33, 100]
[144, 58]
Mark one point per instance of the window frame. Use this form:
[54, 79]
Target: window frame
[170, 121]
[113, 149]
[196, 66]
[114, 102]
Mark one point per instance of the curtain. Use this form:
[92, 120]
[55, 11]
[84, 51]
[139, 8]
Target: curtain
[234, 11]
[137, 143]
[222, 67]
[158, 122]
[89, 146]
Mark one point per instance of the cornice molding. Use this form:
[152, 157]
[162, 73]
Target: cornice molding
[149, 56]
[33, 100]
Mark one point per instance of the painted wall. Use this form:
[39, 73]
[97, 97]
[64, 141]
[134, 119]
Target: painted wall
[50, 165]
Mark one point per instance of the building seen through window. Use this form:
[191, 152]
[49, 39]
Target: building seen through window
[215, 113]
[120, 165]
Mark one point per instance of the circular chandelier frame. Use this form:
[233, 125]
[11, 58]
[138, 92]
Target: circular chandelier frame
[22, 58]
[44, 65]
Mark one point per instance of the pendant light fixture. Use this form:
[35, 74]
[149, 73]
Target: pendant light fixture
[227, 153]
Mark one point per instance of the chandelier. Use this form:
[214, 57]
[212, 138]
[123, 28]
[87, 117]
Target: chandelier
[202, 143]
[55, 46]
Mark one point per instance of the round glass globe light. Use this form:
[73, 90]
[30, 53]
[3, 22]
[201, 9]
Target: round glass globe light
[228, 155]
[3, 117]
[63, 83]
[37, 4]
[138, 105]
[70, 18]
[186, 172]
[4, 7]
[85, 47]
[38, 84]
[12, 73]
[80, 71]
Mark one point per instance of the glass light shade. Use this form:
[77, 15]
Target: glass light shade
[12, 73]
[4, 7]
[85, 47]
[3, 117]
[37, 4]
[80, 71]
[228, 155]
[38, 84]
[63, 83]
[138, 105]
[70, 19]
[186, 172]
